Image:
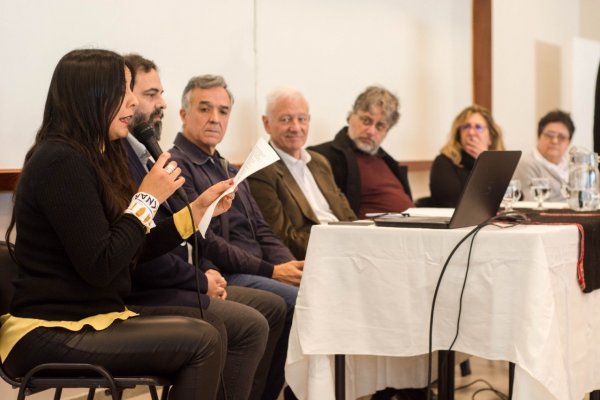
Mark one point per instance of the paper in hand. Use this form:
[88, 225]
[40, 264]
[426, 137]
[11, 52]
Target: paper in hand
[261, 155]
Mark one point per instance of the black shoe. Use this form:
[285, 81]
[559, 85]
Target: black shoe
[402, 394]
[385, 394]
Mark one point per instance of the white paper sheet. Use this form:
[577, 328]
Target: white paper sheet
[261, 155]
[430, 212]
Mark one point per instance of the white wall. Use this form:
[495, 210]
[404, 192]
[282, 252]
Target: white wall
[584, 55]
[517, 25]
[330, 50]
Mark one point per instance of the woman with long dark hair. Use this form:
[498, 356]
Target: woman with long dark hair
[81, 226]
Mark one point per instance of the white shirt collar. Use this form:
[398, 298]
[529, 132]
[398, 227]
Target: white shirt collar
[288, 159]
[306, 181]
[139, 149]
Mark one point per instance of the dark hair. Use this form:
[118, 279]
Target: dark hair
[557, 116]
[85, 94]
[139, 63]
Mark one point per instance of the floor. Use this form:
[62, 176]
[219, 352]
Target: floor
[485, 374]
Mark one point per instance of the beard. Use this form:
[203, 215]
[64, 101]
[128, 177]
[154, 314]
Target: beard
[369, 148]
[156, 125]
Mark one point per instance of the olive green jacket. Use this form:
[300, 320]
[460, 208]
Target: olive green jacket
[285, 207]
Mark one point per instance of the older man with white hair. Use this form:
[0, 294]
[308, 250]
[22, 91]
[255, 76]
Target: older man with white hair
[298, 191]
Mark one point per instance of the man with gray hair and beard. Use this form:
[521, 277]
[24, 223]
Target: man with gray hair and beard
[370, 178]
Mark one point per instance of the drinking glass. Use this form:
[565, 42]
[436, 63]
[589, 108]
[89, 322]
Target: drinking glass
[513, 194]
[540, 189]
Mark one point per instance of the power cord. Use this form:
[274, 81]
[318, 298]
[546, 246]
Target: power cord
[501, 396]
[198, 292]
[473, 233]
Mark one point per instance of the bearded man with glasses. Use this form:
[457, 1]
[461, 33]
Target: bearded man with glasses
[547, 159]
[370, 178]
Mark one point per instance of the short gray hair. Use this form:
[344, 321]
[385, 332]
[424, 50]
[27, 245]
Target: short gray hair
[203, 82]
[282, 92]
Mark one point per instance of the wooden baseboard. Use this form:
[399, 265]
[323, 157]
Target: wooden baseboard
[417, 166]
[8, 179]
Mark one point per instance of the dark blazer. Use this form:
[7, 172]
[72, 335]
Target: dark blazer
[285, 207]
[261, 250]
[167, 279]
[341, 155]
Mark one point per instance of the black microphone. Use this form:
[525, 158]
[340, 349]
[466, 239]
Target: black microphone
[144, 133]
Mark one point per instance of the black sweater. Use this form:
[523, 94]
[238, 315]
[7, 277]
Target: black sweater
[74, 263]
[447, 180]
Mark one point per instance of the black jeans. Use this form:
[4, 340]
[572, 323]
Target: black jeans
[244, 333]
[273, 309]
[163, 341]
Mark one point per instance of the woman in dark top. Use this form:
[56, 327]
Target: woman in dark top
[473, 131]
[81, 226]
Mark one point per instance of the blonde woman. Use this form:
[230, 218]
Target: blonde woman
[473, 132]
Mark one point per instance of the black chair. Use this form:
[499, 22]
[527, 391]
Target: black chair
[58, 376]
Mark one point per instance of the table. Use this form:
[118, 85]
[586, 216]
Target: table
[366, 292]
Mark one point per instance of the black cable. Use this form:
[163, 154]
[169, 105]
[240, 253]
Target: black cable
[462, 290]
[467, 385]
[498, 393]
[195, 251]
[195, 261]
[437, 287]
[473, 233]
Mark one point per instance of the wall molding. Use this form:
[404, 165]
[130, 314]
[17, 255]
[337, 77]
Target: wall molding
[8, 179]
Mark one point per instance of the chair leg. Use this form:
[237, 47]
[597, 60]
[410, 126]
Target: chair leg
[57, 393]
[165, 392]
[153, 393]
[446, 375]
[91, 393]
[511, 379]
[114, 395]
[595, 395]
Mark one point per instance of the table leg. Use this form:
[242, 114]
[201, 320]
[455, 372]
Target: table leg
[340, 377]
[445, 375]
[511, 379]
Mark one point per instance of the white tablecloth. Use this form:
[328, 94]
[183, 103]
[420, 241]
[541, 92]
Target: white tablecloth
[367, 291]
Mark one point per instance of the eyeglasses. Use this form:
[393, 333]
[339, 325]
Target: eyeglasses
[380, 126]
[561, 137]
[478, 127]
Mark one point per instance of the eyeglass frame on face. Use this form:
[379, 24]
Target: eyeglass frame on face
[367, 121]
[468, 126]
[551, 135]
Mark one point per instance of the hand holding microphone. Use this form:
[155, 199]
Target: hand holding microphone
[162, 181]
[145, 134]
[168, 172]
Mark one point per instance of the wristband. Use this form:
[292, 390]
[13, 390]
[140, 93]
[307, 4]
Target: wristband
[144, 207]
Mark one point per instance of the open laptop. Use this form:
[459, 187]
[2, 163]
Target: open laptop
[479, 199]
